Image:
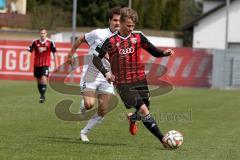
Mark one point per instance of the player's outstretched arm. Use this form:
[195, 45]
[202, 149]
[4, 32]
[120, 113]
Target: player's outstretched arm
[75, 46]
[154, 51]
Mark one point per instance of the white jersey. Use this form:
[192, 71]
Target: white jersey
[90, 73]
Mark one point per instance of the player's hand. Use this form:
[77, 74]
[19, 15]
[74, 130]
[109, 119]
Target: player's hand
[110, 78]
[168, 52]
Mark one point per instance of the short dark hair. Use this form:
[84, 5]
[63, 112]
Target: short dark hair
[128, 13]
[40, 29]
[114, 11]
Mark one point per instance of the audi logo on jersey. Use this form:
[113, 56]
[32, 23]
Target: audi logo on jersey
[127, 50]
[42, 49]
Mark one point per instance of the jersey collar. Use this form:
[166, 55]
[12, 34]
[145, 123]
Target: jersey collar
[43, 41]
[109, 30]
[122, 36]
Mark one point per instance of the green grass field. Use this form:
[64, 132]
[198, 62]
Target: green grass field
[208, 119]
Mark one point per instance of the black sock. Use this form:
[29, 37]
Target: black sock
[42, 89]
[39, 88]
[133, 118]
[152, 126]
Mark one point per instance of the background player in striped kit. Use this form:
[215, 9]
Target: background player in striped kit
[42, 49]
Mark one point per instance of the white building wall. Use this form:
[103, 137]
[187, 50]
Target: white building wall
[208, 5]
[21, 6]
[210, 31]
[234, 23]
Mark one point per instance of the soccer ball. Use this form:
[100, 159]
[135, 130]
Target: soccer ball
[174, 139]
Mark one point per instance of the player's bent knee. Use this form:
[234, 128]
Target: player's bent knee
[143, 110]
[88, 105]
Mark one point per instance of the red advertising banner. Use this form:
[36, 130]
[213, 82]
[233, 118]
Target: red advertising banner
[188, 67]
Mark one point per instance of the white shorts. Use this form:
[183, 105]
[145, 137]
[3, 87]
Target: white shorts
[99, 85]
[92, 79]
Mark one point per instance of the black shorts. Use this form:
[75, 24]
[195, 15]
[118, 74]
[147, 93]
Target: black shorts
[134, 94]
[41, 71]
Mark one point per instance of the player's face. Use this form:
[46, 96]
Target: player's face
[114, 23]
[43, 34]
[127, 26]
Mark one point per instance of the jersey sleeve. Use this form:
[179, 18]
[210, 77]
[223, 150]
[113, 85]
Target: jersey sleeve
[32, 46]
[100, 51]
[53, 47]
[103, 48]
[148, 46]
[91, 37]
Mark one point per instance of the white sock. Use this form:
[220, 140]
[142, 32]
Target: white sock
[96, 119]
[82, 105]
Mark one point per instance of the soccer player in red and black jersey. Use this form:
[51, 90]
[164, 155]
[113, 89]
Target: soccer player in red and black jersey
[124, 50]
[42, 49]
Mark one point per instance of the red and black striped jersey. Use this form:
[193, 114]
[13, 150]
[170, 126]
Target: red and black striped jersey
[125, 55]
[42, 52]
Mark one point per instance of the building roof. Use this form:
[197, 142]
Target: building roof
[190, 25]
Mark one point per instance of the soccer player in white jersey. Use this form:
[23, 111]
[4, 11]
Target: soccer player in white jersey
[93, 84]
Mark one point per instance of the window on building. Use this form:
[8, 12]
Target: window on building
[234, 45]
[3, 6]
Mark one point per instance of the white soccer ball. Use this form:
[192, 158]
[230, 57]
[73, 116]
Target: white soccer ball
[174, 139]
